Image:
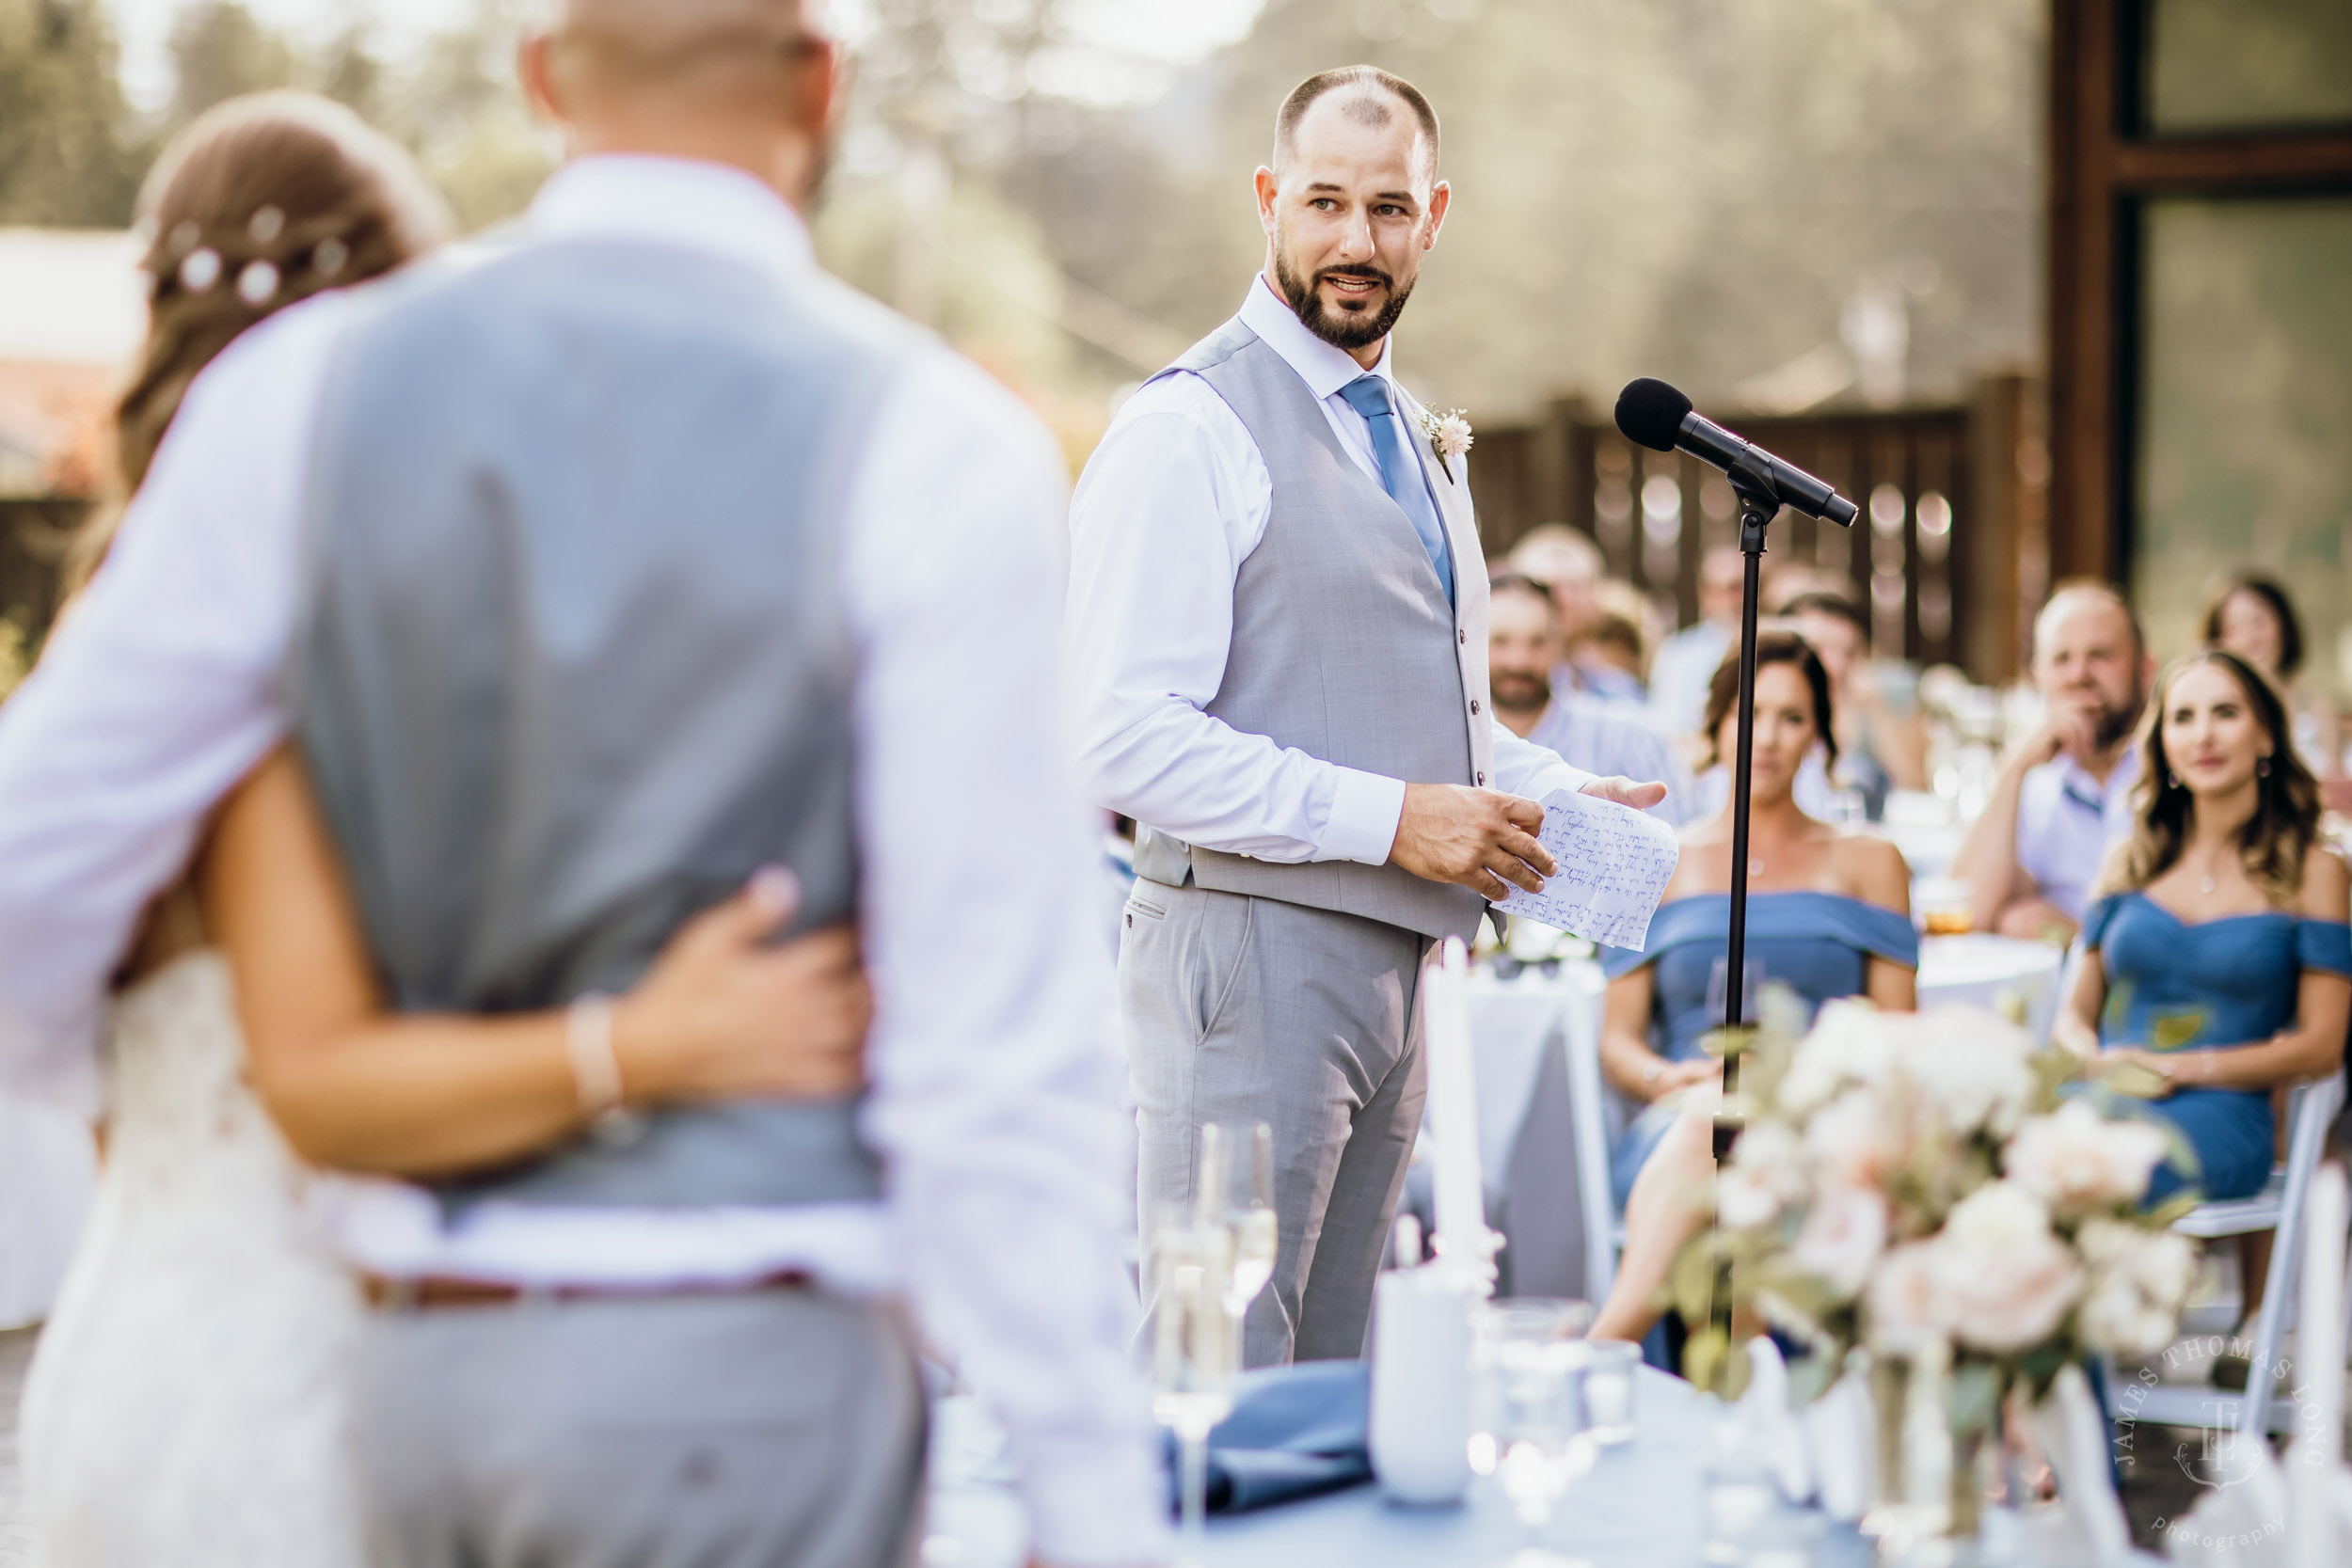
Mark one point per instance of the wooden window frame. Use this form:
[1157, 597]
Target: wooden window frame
[2104, 165]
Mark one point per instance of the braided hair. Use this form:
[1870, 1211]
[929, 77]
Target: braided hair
[261, 201]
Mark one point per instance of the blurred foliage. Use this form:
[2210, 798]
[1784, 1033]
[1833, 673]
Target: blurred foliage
[16, 649]
[1724, 195]
[69, 154]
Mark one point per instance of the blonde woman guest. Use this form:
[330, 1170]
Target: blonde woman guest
[186, 1404]
[2215, 952]
[1828, 916]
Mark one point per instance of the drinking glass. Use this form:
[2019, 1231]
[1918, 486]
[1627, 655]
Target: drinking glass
[1196, 1345]
[1608, 1390]
[1718, 988]
[1539, 1438]
[1237, 1193]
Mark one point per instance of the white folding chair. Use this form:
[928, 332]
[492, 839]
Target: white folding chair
[2279, 1206]
[1588, 1093]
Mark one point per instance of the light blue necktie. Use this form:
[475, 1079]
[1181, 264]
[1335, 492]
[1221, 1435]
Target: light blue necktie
[1401, 473]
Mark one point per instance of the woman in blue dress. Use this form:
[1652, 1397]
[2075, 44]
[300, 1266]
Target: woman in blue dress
[1829, 914]
[2216, 953]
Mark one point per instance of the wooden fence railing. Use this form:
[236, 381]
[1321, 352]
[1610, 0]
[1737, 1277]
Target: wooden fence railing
[1946, 551]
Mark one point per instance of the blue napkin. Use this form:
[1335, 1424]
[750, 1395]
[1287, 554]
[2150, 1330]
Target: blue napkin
[1295, 1432]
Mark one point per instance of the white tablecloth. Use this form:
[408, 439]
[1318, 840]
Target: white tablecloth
[1638, 1508]
[1981, 969]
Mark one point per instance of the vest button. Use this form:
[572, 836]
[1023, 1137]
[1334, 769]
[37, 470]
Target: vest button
[1481, 778]
[1465, 635]
[1473, 705]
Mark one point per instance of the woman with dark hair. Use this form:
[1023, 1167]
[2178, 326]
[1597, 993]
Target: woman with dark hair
[1829, 915]
[2251, 616]
[2216, 954]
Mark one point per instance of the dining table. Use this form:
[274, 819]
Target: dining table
[1640, 1505]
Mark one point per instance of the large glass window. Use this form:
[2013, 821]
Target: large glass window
[2224, 64]
[2243, 445]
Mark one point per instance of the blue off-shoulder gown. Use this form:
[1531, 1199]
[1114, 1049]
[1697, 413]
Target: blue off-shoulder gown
[1817, 945]
[2174, 985]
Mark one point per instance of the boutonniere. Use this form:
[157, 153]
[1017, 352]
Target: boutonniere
[1448, 435]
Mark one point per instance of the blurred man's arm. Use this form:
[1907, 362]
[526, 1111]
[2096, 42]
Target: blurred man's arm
[155, 695]
[995, 1062]
[1172, 501]
[1987, 860]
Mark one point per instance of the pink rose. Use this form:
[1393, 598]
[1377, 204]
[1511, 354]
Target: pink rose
[2011, 1281]
[2076, 1160]
[1843, 1234]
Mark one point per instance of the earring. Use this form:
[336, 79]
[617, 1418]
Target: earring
[2262, 768]
[2172, 780]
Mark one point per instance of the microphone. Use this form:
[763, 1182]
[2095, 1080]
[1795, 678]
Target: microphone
[1657, 416]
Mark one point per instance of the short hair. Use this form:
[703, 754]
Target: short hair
[1519, 582]
[1771, 647]
[1821, 602]
[2283, 607]
[1365, 107]
[2097, 588]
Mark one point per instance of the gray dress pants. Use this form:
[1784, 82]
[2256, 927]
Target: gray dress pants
[1240, 1008]
[764, 1429]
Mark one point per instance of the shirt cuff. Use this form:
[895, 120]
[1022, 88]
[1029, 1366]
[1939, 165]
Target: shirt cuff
[1365, 811]
[1095, 1505]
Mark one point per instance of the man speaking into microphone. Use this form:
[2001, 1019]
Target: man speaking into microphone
[1278, 645]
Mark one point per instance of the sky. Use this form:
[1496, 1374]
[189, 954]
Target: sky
[1155, 29]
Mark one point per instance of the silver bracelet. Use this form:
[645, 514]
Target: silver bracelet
[588, 1043]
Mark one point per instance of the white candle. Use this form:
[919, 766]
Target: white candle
[1459, 1189]
[1420, 1385]
[2313, 1531]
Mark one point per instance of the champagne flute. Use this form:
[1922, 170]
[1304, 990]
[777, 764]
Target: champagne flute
[1237, 1193]
[1196, 1345]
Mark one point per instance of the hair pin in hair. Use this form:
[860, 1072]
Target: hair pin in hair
[183, 236]
[143, 229]
[330, 255]
[257, 283]
[200, 270]
[266, 224]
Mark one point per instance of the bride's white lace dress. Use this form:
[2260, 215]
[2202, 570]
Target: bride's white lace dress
[186, 1405]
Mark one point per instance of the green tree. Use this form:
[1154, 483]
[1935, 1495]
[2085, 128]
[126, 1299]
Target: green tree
[219, 50]
[69, 153]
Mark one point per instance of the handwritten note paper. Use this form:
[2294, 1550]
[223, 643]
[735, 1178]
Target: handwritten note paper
[1614, 864]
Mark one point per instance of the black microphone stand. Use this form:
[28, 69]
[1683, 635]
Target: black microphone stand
[1759, 503]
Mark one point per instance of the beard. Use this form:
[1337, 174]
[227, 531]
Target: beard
[1514, 693]
[2114, 723]
[1342, 331]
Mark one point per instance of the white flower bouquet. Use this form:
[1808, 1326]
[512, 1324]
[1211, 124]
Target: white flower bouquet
[1915, 1184]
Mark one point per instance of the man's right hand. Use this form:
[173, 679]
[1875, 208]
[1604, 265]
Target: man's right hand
[2071, 730]
[1480, 838]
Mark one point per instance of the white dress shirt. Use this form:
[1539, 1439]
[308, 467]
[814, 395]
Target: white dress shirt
[994, 1067]
[1172, 502]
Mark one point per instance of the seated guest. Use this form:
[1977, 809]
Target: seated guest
[2252, 617]
[1879, 749]
[1609, 658]
[1567, 565]
[2063, 796]
[1680, 671]
[2216, 953]
[1522, 650]
[1829, 914]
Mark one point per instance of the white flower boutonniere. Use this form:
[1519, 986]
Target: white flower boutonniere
[1448, 435]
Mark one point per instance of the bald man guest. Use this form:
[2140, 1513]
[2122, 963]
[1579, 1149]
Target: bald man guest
[588, 577]
[1278, 645]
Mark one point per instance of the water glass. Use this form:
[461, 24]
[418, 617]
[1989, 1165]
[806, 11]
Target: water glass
[1196, 1346]
[1236, 1191]
[1718, 989]
[1537, 1421]
[1610, 1369]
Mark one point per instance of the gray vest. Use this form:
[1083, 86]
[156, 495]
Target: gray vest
[1343, 646]
[572, 661]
